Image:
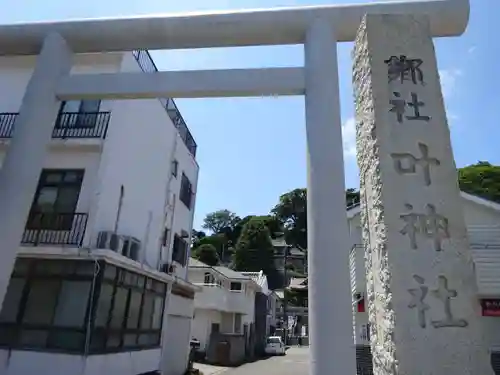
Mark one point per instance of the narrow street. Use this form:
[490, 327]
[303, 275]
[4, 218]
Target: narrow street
[294, 363]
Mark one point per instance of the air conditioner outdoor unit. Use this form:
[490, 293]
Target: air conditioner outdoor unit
[131, 247]
[110, 241]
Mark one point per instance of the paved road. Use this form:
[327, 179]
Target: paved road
[294, 363]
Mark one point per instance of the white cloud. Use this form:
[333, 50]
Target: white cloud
[349, 137]
[449, 78]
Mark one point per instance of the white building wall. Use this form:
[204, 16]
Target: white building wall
[153, 129]
[483, 224]
[202, 325]
[129, 363]
[136, 153]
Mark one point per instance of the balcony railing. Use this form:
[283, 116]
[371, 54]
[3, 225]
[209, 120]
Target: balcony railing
[68, 124]
[7, 120]
[55, 229]
[81, 125]
[147, 65]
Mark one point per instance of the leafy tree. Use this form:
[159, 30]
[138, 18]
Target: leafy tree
[220, 221]
[291, 211]
[218, 241]
[481, 179]
[197, 236]
[207, 254]
[254, 250]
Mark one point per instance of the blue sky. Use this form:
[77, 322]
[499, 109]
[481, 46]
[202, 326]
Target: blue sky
[251, 151]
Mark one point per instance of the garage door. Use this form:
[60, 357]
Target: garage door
[176, 344]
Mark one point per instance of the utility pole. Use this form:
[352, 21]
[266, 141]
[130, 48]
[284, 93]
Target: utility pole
[285, 297]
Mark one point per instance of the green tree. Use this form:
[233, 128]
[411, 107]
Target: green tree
[218, 241]
[291, 211]
[220, 221]
[481, 179]
[196, 237]
[254, 250]
[207, 254]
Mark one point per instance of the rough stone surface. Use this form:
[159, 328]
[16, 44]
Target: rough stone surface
[407, 337]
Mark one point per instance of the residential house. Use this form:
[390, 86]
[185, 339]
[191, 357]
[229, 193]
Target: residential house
[482, 218]
[262, 311]
[99, 286]
[224, 306]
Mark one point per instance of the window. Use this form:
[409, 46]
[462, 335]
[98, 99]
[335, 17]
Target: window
[175, 168]
[236, 286]
[179, 251]
[55, 199]
[71, 311]
[12, 300]
[208, 279]
[165, 237]
[48, 308]
[186, 193]
[78, 114]
[237, 323]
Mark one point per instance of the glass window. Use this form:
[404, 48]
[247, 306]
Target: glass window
[118, 312]
[147, 311]
[72, 304]
[134, 309]
[235, 286]
[237, 323]
[12, 299]
[41, 302]
[104, 305]
[157, 313]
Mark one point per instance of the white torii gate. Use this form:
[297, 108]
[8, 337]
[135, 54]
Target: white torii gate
[318, 28]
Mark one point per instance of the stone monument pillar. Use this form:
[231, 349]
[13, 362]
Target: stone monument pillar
[422, 293]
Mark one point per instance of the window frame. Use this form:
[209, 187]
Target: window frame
[186, 191]
[179, 246]
[175, 168]
[32, 223]
[31, 269]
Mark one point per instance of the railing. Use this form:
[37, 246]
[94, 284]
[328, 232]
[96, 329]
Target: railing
[68, 124]
[7, 120]
[55, 229]
[147, 65]
[81, 125]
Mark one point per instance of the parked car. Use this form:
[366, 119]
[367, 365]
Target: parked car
[275, 346]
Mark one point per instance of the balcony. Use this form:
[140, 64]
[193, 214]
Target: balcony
[215, 297]
[68, 125]
[55, 229]
[147, 65]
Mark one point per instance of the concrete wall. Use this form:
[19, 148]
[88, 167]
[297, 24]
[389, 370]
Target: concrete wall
[130, 363]
[202, 325]
[236, 348]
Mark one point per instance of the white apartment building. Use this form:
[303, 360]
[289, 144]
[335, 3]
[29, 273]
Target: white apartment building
[225, 303]
[100, 283]
[482, 218]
